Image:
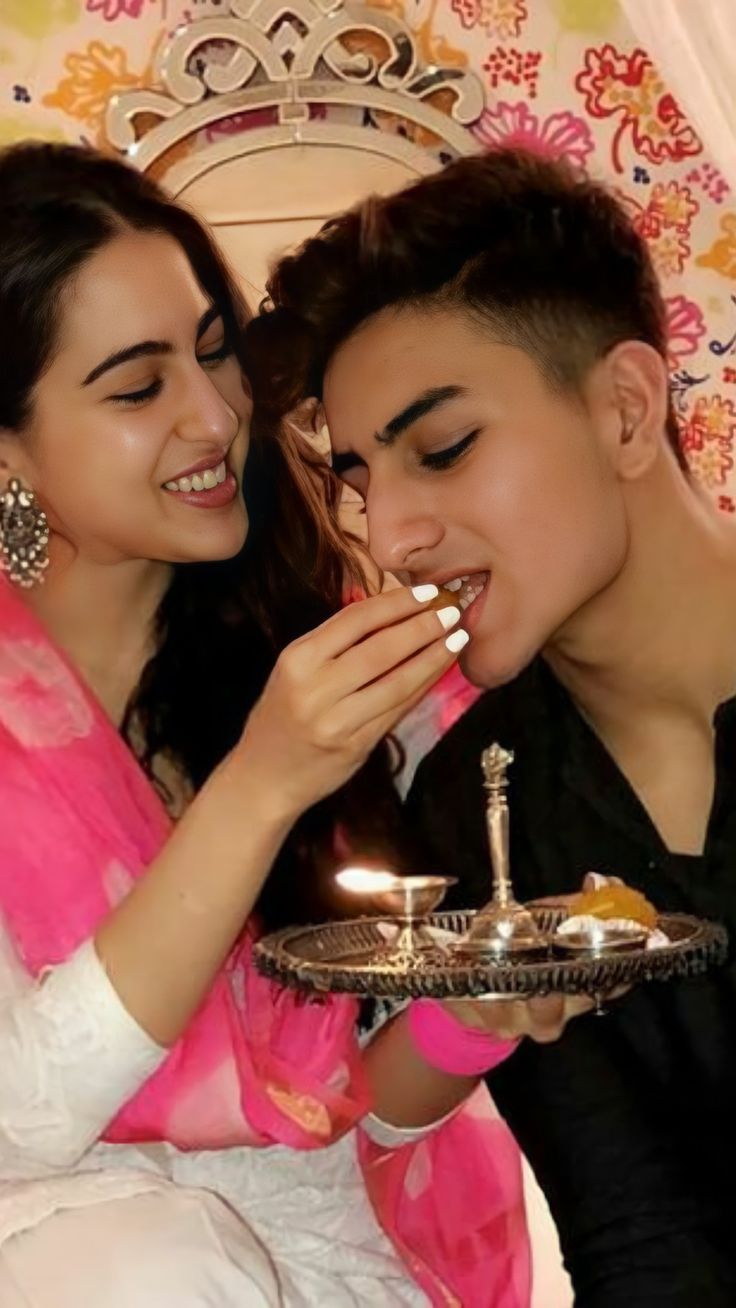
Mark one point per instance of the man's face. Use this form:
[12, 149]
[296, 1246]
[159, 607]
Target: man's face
[472, 466]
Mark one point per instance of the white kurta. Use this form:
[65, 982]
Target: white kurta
[123, 1226]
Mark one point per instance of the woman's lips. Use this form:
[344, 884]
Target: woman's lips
[216, 498]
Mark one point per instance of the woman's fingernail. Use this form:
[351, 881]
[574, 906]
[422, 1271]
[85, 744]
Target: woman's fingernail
[424, 593]
[457, 641]
[449, 616]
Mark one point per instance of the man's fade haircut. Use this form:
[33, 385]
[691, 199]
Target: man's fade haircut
[544, 257]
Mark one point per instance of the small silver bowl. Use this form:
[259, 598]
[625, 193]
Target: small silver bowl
[413, 897]
[597, 936]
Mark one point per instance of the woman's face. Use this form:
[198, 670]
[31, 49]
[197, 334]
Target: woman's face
[471, 466]
[140, 425]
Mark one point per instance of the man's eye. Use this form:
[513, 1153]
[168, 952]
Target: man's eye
[445, 458]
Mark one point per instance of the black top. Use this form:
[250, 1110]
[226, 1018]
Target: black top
[629, 1121]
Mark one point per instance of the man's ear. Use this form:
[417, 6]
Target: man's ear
[631, 393]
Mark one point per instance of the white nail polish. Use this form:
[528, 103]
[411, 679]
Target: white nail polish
[423, 593]
[457, 641]
[449, 616]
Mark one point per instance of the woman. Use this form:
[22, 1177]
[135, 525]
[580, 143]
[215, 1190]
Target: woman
[170, 745]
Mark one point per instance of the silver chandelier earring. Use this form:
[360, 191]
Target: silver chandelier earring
[24, 535]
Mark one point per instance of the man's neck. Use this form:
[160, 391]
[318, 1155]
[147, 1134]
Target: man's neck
[661, 638]
[102, 616]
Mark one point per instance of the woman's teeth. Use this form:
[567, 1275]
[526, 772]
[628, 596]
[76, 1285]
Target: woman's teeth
[199, 481]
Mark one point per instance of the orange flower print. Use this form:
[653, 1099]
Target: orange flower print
[710, 465]
[502, 19]
[630, 88]
[669, 253]
[674, 204]
[707, 439]
[665, 222]
[92, 77]
[722, 253]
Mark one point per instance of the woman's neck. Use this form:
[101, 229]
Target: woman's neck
[103, 619]
[662, 637]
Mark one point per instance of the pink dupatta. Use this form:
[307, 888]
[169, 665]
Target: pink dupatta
[257, 1065]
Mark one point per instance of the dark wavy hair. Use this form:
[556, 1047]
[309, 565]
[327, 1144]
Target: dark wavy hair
[544, 257]
[59, 204]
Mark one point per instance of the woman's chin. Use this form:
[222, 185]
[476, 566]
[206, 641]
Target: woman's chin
[213, 547]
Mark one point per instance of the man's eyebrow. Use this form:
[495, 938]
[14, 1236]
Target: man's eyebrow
[425, 403]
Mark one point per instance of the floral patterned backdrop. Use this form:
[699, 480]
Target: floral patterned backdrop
[565, 77]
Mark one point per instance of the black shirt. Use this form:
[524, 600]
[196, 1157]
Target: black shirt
[629, 1121]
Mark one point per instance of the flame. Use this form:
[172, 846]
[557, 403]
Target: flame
[365, 881]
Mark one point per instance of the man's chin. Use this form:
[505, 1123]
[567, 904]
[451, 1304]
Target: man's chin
[486, 665]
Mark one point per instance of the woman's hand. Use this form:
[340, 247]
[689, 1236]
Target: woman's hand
[330, 699]
[337, 691]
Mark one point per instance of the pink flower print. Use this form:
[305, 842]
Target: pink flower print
[710, 180]
[41, 704]
[112, 9]
[685, 328]
[560, 135]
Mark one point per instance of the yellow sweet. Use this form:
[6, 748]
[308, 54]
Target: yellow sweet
[443, 599]
[615, 901]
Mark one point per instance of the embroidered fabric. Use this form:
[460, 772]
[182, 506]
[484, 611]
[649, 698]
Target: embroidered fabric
[72, 1055]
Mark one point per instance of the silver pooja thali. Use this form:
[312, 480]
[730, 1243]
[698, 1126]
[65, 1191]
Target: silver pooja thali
[401, 946]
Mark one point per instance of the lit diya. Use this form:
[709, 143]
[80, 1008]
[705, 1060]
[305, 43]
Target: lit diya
[408, 901]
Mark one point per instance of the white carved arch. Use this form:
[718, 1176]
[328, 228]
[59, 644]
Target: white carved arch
[265, 188]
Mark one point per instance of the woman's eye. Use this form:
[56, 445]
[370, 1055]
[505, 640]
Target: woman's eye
[213, 357]
[445, 458]
[138, 397]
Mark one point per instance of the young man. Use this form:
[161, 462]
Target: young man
[489, 346]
